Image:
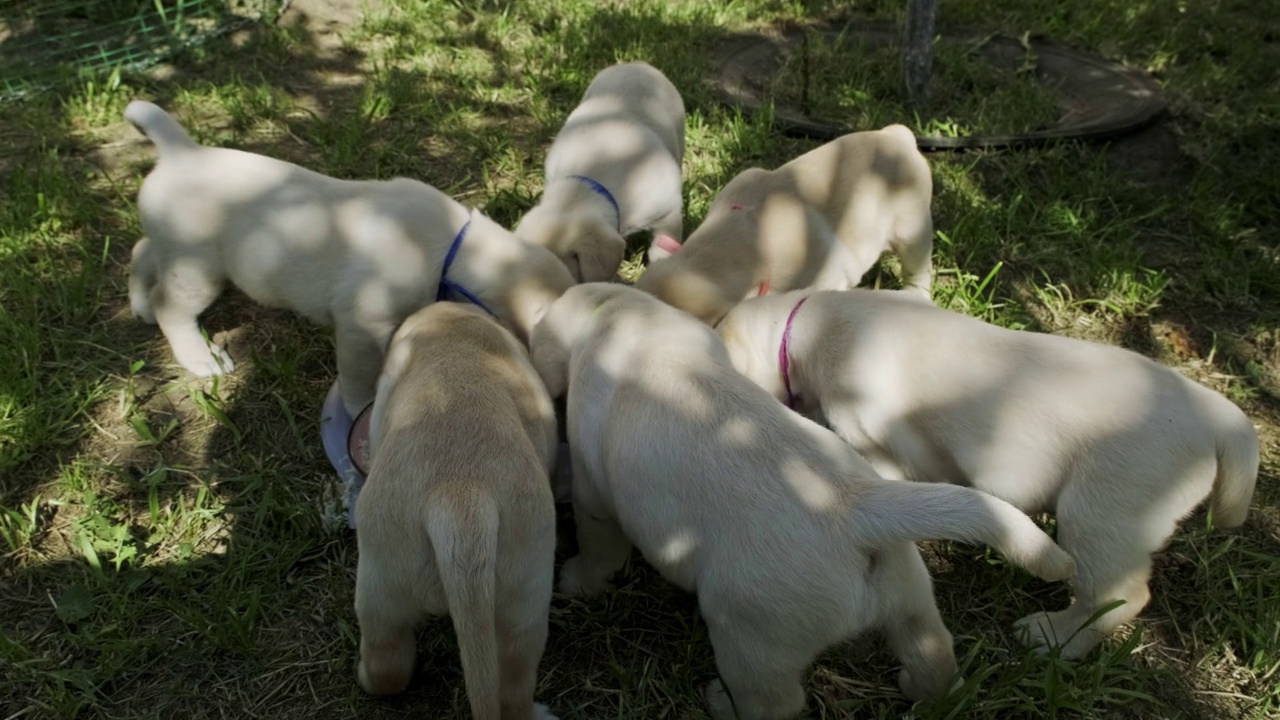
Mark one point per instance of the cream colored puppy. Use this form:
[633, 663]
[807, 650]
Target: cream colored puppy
[1119, 447]
[358, 255]
[613, 169]
[822, 220]
[457, 515]
[789, 538]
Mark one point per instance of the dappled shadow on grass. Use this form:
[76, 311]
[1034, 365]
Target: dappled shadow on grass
[254, 616]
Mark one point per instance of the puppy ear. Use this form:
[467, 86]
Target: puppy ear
[550, 356]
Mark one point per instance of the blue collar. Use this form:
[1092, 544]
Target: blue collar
[603, 192]
[449, 288]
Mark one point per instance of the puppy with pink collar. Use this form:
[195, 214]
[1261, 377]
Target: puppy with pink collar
[1118, 447]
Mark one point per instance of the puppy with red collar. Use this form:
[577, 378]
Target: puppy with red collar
[821, 221]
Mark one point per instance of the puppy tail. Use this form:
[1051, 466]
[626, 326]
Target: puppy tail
[1237, 471]
[159, 127]
[915, 511]
[463, 527]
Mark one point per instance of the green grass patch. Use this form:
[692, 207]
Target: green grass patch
[163, 542]
[856, 82]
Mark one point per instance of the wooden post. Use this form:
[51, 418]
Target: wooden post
[917, 50]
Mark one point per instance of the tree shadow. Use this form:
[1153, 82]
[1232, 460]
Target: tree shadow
[257, 617]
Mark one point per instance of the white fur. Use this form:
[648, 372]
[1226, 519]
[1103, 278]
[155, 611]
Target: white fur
[820, 221]
[628, 135]
[1119, 447]
[457, 515]
[358, 255]
[789, 538]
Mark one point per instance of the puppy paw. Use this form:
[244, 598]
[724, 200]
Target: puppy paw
[718, 700]
[917, 688]
[540, 712]
[1035, 631]
[1043, 631]
[576, 580]
[215, 361]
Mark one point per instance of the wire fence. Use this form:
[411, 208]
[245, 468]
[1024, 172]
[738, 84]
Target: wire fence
[44, 41]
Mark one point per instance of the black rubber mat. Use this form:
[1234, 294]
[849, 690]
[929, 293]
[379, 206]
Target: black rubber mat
[1097, 98]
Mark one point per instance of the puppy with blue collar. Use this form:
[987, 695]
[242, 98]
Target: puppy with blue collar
[613, 169]
[357, 255]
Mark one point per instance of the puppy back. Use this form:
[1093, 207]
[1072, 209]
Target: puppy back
[465, 394]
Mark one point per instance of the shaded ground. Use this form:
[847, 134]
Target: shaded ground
[237, 599]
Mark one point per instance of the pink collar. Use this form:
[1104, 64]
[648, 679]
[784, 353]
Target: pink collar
[784, 359]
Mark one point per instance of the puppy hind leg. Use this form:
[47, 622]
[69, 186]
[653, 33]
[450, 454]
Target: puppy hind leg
[602, 547]
[1112, 549]
[522, 640]
[387, 656]
[524, 605]
[760, 677]
[913, 626]
[602, 551]
[177, 299]
[388, 647]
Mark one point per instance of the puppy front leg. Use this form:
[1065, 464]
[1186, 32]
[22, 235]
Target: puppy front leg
[359, 362]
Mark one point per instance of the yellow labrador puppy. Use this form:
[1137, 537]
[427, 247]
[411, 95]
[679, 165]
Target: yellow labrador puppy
[358, 255]
[613, 169]
[821, 220]
[1119, 447]
[789, 538]
[457, 515]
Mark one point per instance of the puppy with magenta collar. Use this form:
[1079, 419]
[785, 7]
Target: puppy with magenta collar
[1117, 446]
[457, 515]
[358, 255]
[613, 169]
[819, 221]
[789, 538]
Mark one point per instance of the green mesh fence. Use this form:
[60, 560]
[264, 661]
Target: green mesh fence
[42, 41]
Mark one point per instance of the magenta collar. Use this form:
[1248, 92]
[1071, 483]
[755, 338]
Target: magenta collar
[784, 355]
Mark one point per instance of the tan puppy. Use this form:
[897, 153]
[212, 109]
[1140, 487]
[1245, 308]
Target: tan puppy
[457, 515]
[789, 538]
[1119, 447]
[822, 220]
[360, 256]
[613, 169]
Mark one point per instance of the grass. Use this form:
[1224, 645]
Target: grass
[163, 543]
[856, 81]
